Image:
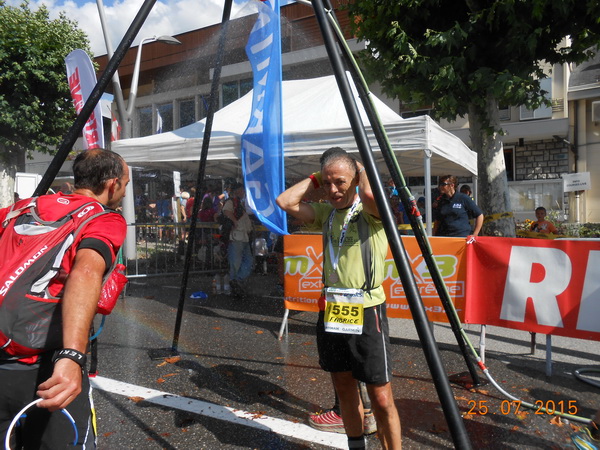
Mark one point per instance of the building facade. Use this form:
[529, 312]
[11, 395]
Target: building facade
[540, 146]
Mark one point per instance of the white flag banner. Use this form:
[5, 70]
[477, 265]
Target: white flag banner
[159, 122]
[115, 129]
[82, 80]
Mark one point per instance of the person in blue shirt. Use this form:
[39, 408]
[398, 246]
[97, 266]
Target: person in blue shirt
[164, 211]
[455, 210]
[399, 213]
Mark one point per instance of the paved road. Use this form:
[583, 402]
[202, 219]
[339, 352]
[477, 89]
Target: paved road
[235, 385]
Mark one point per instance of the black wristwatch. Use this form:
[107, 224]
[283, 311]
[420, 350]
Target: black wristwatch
[71, 354]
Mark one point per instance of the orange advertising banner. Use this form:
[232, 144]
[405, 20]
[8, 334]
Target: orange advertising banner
[304, 260]
[549, 287]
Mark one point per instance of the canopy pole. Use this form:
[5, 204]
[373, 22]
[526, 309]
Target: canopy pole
[451, 411]
[201, 169]
[90, 104]
[428, 190]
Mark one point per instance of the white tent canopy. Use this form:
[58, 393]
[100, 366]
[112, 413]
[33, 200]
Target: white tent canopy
[314, 119]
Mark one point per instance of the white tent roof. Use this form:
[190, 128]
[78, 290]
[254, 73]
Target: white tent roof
[314, 119]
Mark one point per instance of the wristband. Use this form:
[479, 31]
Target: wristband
[316, 179]
[71, 354]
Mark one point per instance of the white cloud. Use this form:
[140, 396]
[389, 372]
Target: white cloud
[168, 17]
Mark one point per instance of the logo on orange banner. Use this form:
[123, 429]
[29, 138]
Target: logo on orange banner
[548, 287]
[303, 261]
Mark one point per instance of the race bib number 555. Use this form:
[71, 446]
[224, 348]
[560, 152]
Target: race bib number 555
[344, 311]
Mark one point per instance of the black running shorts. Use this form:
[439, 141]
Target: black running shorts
[366, 355]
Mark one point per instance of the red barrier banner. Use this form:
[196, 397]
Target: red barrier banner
[303, 265]
[549, 287]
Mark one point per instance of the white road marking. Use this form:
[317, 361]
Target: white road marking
[255, 420]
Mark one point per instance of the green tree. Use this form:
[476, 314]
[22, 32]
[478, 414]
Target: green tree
[469, 56]
[35, 104]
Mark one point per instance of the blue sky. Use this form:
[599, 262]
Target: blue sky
[167, 16]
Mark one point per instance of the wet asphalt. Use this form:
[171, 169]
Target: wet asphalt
[229, 355]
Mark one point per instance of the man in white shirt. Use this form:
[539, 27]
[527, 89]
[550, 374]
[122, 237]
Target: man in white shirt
[239, 253]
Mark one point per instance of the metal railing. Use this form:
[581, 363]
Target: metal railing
[160, 249]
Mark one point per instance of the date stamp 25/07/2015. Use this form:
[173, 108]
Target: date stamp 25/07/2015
[549, 407]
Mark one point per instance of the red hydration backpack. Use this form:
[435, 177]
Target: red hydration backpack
[31, 253]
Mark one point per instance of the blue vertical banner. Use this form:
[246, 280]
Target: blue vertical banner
[262, 142]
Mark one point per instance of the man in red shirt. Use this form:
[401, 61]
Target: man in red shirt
[100, 178]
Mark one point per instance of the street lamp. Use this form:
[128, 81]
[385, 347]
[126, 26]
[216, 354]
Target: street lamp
[136, 75]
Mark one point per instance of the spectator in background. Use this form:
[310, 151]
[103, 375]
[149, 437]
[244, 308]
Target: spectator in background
[391, 188]
[180, 215]
[164, 212]
[207, 212]
[454, 209]
[208, 193]
[421, 206]
[466, 189]
[140, 204]
[399, 212]
[226, 190]
[66, 188]
[542, 225]
[189, 204]
[239, 253]
[183, 199]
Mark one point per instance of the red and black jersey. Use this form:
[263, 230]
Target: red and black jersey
[39, 239]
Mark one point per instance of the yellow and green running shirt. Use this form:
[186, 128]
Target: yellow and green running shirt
[350, 269]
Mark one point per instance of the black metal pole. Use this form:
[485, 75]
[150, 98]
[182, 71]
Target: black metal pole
[90, 104]
[408, 200]
[201, 169]
[431, 351]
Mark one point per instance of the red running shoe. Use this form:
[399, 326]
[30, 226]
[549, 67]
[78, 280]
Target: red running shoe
[327, 420]
[330, 421]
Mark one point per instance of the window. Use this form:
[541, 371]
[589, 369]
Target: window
[166, 114]
[509, 162]
[246, 86]
[230, 92]
[504, 112]
[544, 111]
[235, 89]
[525, 196]
[187, 112]
[145, 121]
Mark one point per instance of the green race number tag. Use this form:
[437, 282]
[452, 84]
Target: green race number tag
[344, 311]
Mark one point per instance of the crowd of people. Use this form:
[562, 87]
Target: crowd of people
[224, 231]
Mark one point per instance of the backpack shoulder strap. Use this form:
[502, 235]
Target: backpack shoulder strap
[365, 250]
[16, 212]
